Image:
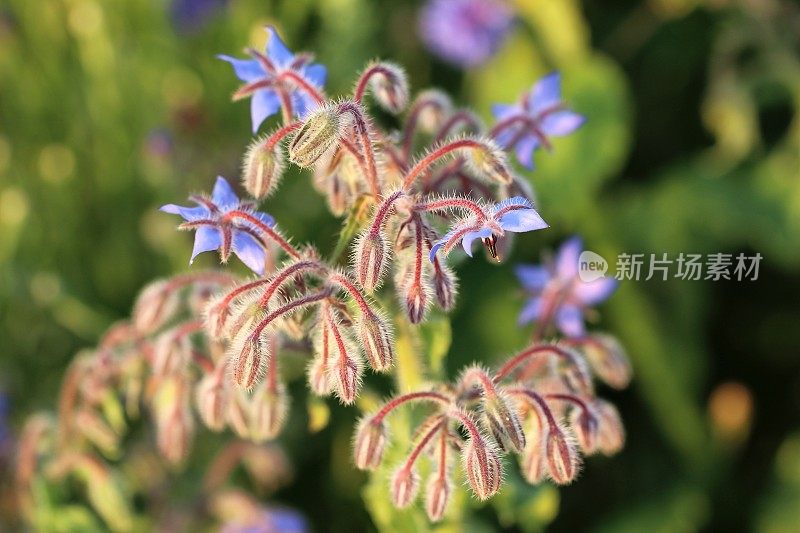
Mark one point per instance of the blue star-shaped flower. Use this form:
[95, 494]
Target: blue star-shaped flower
[516, 215]
[540, 114]
[214, 231]
[557, 293]
[263, 75]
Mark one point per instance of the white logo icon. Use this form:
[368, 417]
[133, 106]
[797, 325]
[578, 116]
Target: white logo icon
[591, 266]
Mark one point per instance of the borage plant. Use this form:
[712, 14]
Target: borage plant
[212, 343]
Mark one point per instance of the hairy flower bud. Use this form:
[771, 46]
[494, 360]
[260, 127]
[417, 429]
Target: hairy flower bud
[483, 467]
[268, 413]
[217, 315]
[415, 299]
[608, 360]
[562, 456]
[611, 432]
[369, 443]
[489, 160]
[239, 413]
[586, 427]
[262, 170]
[534, 468]
[405, 484]
[370, 259]
[437, 496]
[174, 435]
[171, 353]
[156, 306]
[346, 379]
[390, 87]
[249, 359]
[502, 420]
[434, 107]
[445, 286]
[317, 376]
[212, 402]
[316, 136]
[376, 337]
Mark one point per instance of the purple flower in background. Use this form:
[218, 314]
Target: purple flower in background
[215, 229]
[541, 114]
[516, 215]
[265, 80]
[557, 293]
[269, 520]
[192, 15]
[465, 33]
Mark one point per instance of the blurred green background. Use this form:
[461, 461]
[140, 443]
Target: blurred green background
[110, 109]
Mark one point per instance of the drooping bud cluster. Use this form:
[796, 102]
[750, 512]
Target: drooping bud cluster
[539, 405]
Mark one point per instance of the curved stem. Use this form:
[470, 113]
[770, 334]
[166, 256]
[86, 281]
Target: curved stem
[455, 118]
[354, 110]
[423, 442]
[301, 83]
[265, 229]
[410, 397]
[291, 306]
[437, 154]
[382, 212]
[475, 374]
[277, 280]
[534, 351]
[453, 203]
[343, 282]
[363, 80]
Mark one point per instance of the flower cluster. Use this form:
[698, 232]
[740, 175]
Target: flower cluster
[211, 343]
[539, 405]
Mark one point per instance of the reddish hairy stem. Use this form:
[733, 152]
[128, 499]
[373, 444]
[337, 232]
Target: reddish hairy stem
[455, 118]
[535, 399]
[426, 438]
[265, 229]
[382, 212]
[366, 144]
[303, 84]
[292, 305]
[410, 397]
[453, 203]
[361, 86]
[476, 374]
[529, 353]
[353, 291]
[277, 280]
[437, 154]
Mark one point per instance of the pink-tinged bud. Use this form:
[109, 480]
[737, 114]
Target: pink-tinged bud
[370, 259]
[248, 360]
[533, 462]
[346, 379]
[405, 484]
[435, 106]
[318, 377]
[490, 160]
[562, 456]
[171, 353]
[390, 87]
[445, 286]
[483, 467]
[437, 496]
[319, 133]
[502, 420]
[376, 337]
[156, 306]
[586, 427]
[416, 300]
[369, 443]
[212, 402]
[611, 432]
[238, 413]
[174, 436]
[263, 167]
[608, 360]
[268, 413]
[217, 315]
[576, 375]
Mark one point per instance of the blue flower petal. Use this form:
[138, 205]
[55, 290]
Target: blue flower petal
[594, 292]
[467, 240]
[518, 201]
[206, 238]
[188, 213]
[263, 104]
[303, 103]
[521, 220]
[546, 93]
[533, 277]
[246, 70]
[524, 150]
[569, 320]
[317, 74]
[562, 123]
[503, 111]
[567, 258]
[223, 195]
[435, 248]
[249, 251]
[265, 218]
[277, 50]
[531, 311]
